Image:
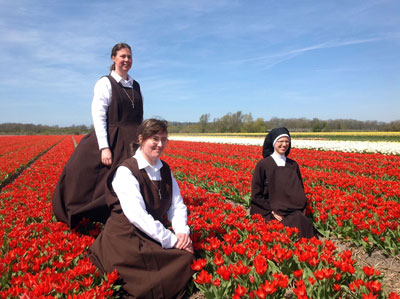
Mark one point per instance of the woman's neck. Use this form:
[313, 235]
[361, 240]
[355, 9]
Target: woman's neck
[279, 155]
[124, 75]
[151, 162]
[148, 159]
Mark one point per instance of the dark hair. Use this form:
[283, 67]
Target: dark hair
[147, 129]
[114, 51]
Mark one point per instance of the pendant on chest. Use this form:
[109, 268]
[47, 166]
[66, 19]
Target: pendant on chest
[157, 184]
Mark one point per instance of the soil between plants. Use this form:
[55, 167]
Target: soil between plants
[389, 266]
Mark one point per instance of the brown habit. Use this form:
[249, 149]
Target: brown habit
[146, 269]
[80, 188]
[280, 189]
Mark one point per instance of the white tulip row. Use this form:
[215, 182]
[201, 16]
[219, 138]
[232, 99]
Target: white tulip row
[392, 148]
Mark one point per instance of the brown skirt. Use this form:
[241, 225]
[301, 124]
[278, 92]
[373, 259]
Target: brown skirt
[146, 269]
[299, 220]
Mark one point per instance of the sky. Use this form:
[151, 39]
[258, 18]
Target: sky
[268, 58]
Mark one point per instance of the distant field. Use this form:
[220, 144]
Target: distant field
[350, 136]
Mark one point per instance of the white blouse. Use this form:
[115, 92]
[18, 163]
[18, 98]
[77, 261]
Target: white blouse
[102, 96]
[126, 186]
[280, 160]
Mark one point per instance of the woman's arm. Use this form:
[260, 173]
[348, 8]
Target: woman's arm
[101, 100]
[127, 188]
[302, 184]
[299, 174]
[177, 214]
[102, 95]
[259, 191]
[140, 104]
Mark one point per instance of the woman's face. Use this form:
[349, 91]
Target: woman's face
[282, 145]
[122, 61]
[154, 146]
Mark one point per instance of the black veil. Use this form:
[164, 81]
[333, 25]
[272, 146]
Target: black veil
[268, 147]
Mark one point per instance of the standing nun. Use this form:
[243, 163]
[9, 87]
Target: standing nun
[277, 191]
[117, 111]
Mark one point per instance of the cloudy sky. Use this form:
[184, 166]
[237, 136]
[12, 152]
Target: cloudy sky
[287, 59]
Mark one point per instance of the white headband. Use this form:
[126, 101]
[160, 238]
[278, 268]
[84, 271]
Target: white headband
[280, 136]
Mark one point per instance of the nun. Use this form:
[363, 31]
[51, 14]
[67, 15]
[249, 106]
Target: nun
[277, 191]
[152, 257]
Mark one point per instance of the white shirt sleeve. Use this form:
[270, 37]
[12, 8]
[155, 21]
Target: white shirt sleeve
[126, 186]
[177, 213]
[102, 95]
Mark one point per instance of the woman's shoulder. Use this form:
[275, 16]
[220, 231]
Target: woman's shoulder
[135, 84]
[165, 164]
[266, 161]
[130, 163]
[103, 81]
[291, 162]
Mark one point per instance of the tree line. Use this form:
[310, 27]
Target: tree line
[32, 129]
[237, 122]
[244, 123]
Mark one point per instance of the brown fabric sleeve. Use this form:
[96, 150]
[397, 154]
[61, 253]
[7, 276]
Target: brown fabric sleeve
[140, 101]
[298, 173]
[259, 192]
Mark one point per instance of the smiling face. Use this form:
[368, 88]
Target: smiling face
[153, 147]
[282, 145]
[123, 62]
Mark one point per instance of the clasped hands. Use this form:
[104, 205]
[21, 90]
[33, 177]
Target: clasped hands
[277, 217]
[280, 218]
[184, 242]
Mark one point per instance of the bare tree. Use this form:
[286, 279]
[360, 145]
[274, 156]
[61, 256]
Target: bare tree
[204, 118]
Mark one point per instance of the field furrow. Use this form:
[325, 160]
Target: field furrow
[21, 154]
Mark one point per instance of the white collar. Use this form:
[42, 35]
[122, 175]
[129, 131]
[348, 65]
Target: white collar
[143, 163]
[280, 160]
[118, 78]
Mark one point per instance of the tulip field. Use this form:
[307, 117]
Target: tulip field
[353, 197]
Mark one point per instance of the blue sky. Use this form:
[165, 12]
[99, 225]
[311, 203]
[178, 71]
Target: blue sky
[287, 59]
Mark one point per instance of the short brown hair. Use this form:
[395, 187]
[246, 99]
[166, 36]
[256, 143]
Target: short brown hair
[147, 129]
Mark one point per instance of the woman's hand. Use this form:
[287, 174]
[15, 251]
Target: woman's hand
[277, 217]
[106, 156]
[184, 242]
